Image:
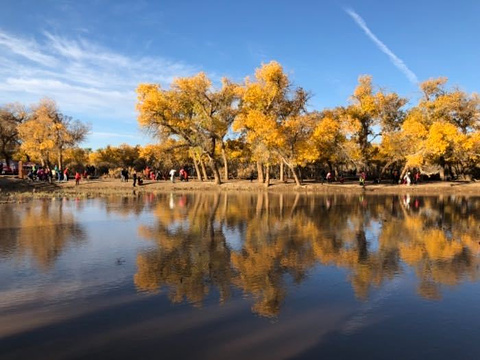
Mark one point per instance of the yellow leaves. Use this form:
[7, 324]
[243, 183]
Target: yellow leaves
[414, 160]
[326, 130]
[433, 87]
[440, 127]
[38, 132]
[441, 137]
[192, 111]
[198, 84]
[255, 97]
[123, 155]
[268, 90]
[94, 158]
[152, 104]
[393, 145]
[260, 127]
[364, 88]
[76, 156]
[414, 126]
[270, 116]
[368, 111]
[353, 150]
[327, 137]
[470, 147]
[365, 101]
[150, 151]
[272, 73]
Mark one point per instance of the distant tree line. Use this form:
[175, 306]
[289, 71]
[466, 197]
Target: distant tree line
[262, 128]
[272, 127]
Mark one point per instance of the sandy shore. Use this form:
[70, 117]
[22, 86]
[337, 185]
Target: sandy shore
[12, 188]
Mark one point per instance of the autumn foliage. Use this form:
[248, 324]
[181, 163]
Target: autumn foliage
[264, 126]
[376, 132]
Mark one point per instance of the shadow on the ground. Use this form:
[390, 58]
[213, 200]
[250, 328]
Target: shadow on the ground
[13, 184]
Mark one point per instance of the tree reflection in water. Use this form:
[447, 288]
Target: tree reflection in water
[284, 236]
[45, 231]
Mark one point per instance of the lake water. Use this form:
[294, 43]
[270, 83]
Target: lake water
[235, 276]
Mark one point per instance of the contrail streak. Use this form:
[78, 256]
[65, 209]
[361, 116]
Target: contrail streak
[394, 58]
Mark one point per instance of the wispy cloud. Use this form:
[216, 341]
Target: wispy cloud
[82, 76]
[26, 48]
[393, 58]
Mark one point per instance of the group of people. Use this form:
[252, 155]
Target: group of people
[408, 178]
[330, 178]
[182, 174]
[150, 174]
[47, 174]
[40, 173]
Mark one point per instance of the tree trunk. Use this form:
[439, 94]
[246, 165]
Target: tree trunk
[442, 170]
[330, 166]
[7, 158]
[197, 169]
[5, 154]
[216, 173]
[387, 165]
[442, 174]
[282, 176]
[267, 176]
[404, 170]
[295, 176]
[225, 163]
[261, 179]
[204, 171]
[20, 169]
[451, 174]
[60, 159]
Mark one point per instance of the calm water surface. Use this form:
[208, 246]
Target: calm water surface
[235, 276]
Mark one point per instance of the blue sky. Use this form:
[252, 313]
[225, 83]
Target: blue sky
[90, 55]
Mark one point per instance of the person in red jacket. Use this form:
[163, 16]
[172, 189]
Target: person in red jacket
[77, 178]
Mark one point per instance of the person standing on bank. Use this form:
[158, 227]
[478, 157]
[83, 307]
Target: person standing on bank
[134, 177]
[172, 175]
[77, 178]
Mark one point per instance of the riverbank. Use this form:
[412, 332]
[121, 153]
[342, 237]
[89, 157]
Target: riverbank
[12, 189]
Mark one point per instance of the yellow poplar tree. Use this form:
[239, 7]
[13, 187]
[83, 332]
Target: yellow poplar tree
[328, 138]
[272, 117]
[191, 110]
[36, 133]
[47, 133]
[368, 111]
[442, 129]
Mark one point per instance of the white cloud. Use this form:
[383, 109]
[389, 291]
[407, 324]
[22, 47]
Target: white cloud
[83, 77]
[27, 49]
[393, 58]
